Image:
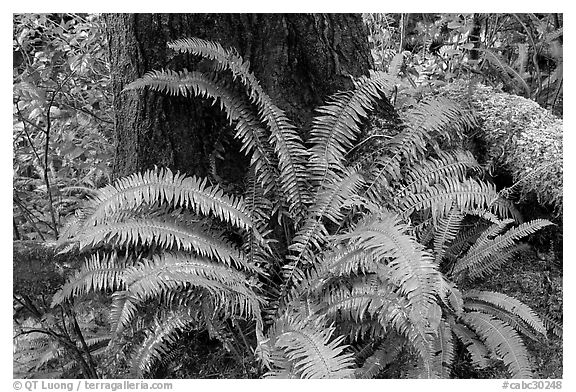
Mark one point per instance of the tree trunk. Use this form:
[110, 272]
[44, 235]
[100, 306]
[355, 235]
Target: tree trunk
[298, 59]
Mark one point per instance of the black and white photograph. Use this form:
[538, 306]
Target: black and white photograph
[287, 195]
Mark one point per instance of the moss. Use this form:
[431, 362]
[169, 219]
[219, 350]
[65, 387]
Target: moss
[521, 137]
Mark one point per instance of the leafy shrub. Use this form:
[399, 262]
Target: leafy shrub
[61, 118]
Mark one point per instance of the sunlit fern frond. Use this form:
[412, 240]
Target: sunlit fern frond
[283, 135]
[369, 298]
[337, 126]
[163, 187]
[307, 349]
[162, 334]
[411, 268]
[483, 259]
[249, 130]
[503, 341]
[169, 233]
[464, 195]
[506, 303]
[99, 273]
[427, 122]
[312, 236]
[151, 278]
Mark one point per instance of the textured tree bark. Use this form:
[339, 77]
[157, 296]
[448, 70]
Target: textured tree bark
[298, 59]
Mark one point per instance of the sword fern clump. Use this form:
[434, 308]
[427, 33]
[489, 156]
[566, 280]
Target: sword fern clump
[369, 253]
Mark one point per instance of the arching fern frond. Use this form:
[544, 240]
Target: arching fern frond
[170, 234]
[310, 349]
[448, 165]
[336, 127]
[162, 186]
[478, 352]
[248, 128]
[283, 136]
[313, 234]
[411, 267]
[508, 304]
[466, 195]
[99, 273]
[503, 340]
[446, 230]
[163, 334]
[170, 271]
[486, 257]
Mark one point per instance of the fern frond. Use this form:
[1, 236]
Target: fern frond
[122, 312]
[448, 165]
[371, 299]
[283, 136]
[511, 320]
[480, 259]
[170, 271]
[162, 186]
[248, 129]
[99, 273]
[441, 117]
[312, 236]
[158, 340]
[443, 347]
[430, 120]
[169, 233]
[336, 127]
[410, 266]
[508, 304]
[450, 295]
[446, 230]
[440, 199]
[311, 350]
[503, 340]
[386, 353]
[478, 352]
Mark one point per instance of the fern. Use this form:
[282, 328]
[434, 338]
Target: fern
[443, 346]
[411, 268]
[248, 128]
[478, 352]
[98, 273]
[507, 304]
[440, 199]
[484, 257]
[162, 186]
[313, 233]
[158, 340]
[309, 352]
[283, 136]
[503, 340]
[168, 233]
[336, 128]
